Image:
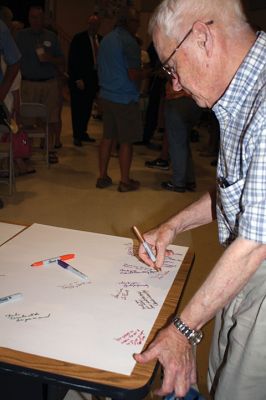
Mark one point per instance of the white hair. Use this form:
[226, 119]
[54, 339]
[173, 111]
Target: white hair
[171, 15]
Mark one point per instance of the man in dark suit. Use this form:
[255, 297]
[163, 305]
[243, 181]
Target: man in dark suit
[83, 80]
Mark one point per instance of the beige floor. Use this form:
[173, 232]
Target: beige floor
[65, 195]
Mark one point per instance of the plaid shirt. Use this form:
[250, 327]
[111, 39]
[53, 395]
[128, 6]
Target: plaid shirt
[241, 171]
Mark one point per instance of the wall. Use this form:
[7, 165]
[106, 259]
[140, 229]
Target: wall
[72, 15]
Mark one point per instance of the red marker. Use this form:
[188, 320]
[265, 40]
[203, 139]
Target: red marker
[51, 260]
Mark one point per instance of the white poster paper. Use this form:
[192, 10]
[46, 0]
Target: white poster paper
[7, 231]
[99, 322]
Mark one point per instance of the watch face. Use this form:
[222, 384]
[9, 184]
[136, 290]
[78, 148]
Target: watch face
[195, 338]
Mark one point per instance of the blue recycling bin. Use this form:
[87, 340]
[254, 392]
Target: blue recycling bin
[193, 394]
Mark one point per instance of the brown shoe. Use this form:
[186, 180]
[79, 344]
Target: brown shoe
[128, 187]
[103, 183]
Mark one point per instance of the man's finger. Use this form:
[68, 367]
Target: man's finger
[148, 355]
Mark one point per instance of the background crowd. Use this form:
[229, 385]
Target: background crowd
[114, 76]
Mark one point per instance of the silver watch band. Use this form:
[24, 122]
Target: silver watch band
[194, 337]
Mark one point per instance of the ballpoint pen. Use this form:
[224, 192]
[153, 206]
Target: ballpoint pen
[11, 297]
[145, 244]
[47, 261]
[68, 267]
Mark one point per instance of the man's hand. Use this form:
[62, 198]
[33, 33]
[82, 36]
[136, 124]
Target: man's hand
[45, 57]
[158, 239]
[175, 354]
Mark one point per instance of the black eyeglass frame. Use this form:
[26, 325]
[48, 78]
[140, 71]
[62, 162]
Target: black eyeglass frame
[169, 70]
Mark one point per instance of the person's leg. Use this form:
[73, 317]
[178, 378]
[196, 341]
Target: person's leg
[178, 139]
[104, 156]
[58, 129]
[49, 95]
[162, 162]
[78, 103]
[89, 94]
[238, 354]
[151, 118]
[125, 160]
[129, 129]
[105, 147]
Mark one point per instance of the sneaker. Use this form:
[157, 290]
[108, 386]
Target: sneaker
[158, 163]
[103, 183]
[173, 188]
[128, 187]
[190, 187]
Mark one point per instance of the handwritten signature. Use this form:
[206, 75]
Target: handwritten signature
[26, 317]
[74, 285]
[132, 337]
[145, 300]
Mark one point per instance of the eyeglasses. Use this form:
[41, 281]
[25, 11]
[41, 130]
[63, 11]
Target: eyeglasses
[170, 70]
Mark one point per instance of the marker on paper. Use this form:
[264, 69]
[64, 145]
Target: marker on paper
[51, 260]
[11, 297]
[145, 244]
[65, 265]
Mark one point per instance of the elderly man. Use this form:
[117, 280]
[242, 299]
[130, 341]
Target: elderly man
[83, 79]
[209, 50]
[41, 57]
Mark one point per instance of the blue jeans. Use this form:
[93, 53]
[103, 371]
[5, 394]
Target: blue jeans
[180, 116]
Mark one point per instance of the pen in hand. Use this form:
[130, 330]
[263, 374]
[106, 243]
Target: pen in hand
[145, 244]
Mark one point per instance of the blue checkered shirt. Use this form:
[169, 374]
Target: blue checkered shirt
[241, 170]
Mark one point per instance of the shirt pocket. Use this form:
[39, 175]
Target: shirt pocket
[230, 203]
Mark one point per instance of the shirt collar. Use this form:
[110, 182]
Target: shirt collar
[244, 79]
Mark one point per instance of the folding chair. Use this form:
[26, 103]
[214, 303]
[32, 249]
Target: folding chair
[34, 118]
[7, 173]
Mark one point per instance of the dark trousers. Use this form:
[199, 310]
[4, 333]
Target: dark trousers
[181, 115]
[152, 112]
[81, 102]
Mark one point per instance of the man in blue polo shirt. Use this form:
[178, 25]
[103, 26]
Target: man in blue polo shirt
[119, 69]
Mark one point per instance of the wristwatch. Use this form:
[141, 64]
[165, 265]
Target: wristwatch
[193, 336]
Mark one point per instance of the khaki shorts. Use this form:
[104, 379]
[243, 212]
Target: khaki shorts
[237, 365]
[46, 93]
[121, 122]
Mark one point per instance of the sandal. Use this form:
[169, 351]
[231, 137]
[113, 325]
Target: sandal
[103, 183]
[128, 187]
[53, 159]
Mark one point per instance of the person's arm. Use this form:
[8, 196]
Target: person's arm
[10, 74]
[56, 60]
[199, 213]
[74, 63]
[231, 273]
[11, 57]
